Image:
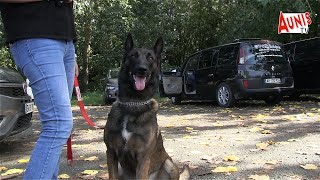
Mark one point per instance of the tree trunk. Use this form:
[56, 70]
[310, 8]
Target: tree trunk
[86, 55]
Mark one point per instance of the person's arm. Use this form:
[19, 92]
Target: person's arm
[77, 70]
[19, 1]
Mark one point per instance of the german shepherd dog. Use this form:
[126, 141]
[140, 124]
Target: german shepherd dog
[132, 136]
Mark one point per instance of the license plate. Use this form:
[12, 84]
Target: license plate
[273, 80]
[28, 107]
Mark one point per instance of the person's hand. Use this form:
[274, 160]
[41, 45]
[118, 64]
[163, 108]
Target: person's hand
[76, 70]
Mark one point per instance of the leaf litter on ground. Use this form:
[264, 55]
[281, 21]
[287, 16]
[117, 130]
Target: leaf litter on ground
[231, 158]
[227, 169]
[309, 167]
[259, 177]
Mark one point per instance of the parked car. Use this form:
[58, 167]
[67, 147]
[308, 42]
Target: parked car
[16, 106]
[244, 69]
[111, 89]
[304, 58]
[29, 90]
[166, 72]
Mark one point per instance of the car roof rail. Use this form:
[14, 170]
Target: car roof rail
[246, 39]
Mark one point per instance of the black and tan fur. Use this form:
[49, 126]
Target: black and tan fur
[132, 136]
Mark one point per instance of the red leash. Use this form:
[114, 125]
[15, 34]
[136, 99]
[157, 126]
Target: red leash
[80, 103]
[84, 114]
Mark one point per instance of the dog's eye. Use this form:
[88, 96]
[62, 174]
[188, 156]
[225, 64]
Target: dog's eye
[135, 55]
[150, 58]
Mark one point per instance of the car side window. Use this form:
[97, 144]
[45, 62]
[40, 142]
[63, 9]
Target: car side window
[206, 58]
[300, 51]
[291, 52]
[214, 58]
[192, 63]
[311, 53]
[227, 55]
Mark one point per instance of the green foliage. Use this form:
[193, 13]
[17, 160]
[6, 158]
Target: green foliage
[89, 99]
[161, 99]
[186, 26]
[5, 58]
[96, 99]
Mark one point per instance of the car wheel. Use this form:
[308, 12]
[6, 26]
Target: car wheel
[176, 100]
[225, 96]
[273, 100]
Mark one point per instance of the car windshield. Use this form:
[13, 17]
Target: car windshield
[263, 52]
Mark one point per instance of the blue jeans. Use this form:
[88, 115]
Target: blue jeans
[50, 66]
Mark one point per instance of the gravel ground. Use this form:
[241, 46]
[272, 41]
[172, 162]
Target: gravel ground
[202, 135]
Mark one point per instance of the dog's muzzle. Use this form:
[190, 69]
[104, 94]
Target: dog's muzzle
[140, 77]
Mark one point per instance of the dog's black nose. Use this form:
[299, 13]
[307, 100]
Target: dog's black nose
[141, 70]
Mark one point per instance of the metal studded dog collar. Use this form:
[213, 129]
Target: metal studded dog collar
[133, 103]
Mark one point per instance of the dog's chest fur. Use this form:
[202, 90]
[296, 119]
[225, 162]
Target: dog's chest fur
[131, 128]
[125, 133]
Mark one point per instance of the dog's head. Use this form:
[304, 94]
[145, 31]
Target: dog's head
[141, 66]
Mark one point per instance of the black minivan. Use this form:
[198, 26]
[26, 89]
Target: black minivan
[304, 56]
[244, 69]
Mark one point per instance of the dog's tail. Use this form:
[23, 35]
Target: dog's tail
[185, 174]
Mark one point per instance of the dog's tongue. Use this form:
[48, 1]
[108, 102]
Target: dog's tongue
[140, 83]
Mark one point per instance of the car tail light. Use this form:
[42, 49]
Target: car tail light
[245, 84]
[242, 56]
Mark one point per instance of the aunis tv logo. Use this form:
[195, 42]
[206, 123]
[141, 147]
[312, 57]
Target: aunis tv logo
[294, 23]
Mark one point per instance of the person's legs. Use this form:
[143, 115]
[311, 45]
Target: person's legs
[69, 64]
[42, 62]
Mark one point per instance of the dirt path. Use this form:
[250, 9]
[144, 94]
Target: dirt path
[202, 135]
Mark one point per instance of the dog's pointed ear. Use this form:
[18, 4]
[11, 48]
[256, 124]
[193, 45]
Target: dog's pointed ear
[129, 43]
[158, 47]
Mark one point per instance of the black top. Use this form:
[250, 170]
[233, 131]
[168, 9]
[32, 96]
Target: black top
[43, 19]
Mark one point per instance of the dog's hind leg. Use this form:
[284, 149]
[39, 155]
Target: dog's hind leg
[185, 174]
[168, 171]
[112, 161]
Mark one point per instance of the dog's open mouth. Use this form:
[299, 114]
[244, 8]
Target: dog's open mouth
[139, 82]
